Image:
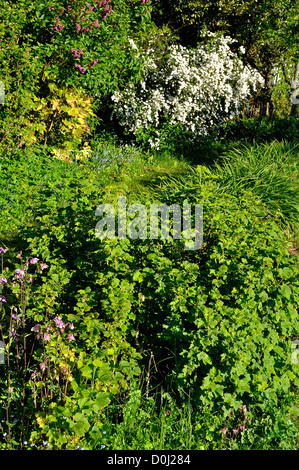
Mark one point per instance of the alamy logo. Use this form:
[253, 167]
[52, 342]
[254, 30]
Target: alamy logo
[138, 226]
[2, 93]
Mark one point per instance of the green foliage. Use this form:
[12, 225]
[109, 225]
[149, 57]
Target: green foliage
[142, 344]
[74, 46]
[261, 130]
[266, 29]
[217, 322]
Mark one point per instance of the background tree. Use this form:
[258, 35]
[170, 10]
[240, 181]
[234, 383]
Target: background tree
[267, 29]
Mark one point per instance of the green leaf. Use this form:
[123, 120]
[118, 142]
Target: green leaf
[102, 400]
[286, 291]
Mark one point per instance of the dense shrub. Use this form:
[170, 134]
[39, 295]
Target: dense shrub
[73, 45]
[261, 129]
[198, 88]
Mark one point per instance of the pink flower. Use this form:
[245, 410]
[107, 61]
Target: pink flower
[71, 326]
[36, 328]
[94, 62]
[224, 431]
[33, 260]
[57, 26]
[19, 274]
[78, 53]
[80, 68]
[71, 337]
[42, 366]
[43, 266]
[47, 337]
[2, 250]
[3, 280]
[78, 27]
[59, 323]
[3, 299]
[244, 409]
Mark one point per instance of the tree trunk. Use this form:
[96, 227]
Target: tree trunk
[294, 89]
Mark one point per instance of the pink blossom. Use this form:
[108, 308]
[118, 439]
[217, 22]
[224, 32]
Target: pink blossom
[42, 366]
[71, 326]
[80, 68]
[57, 26]
[36, 328]
[77, 53]
[19, 274]
[34, 260]
[2, 250]
[43, 266]
[3, 280]
[71, 337]
[47, 337]
[94, 62]
[59, 323]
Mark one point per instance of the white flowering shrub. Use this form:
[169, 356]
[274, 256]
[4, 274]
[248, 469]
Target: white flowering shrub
[198, 88]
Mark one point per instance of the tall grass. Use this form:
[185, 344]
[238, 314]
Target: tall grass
[269, 170]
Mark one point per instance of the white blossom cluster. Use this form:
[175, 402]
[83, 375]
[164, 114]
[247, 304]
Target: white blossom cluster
[199, 88]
